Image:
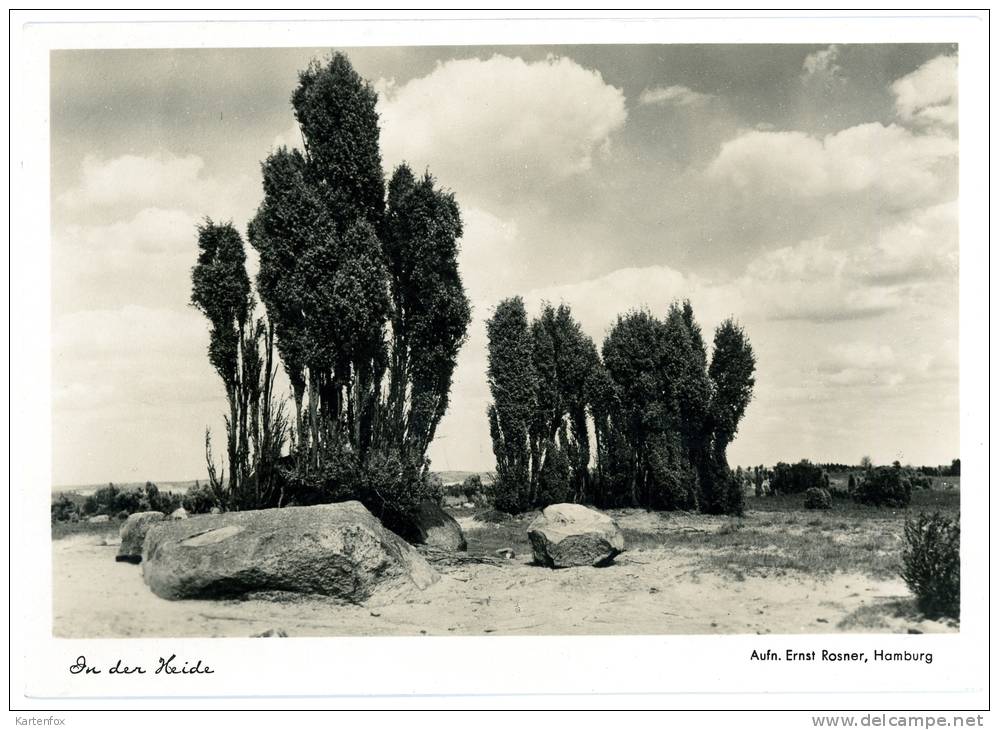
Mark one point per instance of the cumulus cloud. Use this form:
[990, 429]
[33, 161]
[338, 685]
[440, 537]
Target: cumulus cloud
[500, 125]
[928, 95]
[117, 187]
[891, 161]
[132, 388]
[822, 65]
[921, 247]
[134, 179]
[142, 259]
[490, 255]
[136, 356]
[816, 282]
[673, 95]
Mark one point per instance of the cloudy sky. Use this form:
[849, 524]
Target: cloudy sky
[810, 191]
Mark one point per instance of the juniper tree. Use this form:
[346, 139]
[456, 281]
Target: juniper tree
[364, 292]
[430, 311]
[564, 359]
[513, 384]
[240, 349]
[665, 417]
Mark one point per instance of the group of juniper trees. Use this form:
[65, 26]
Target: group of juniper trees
[364, 304]
[365, 307]
[662, 414]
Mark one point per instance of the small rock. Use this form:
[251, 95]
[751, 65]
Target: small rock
[215, 511]
[913, 631]
[653, 589]
[822, 620]
[96, 519]
[375, 614]
[505, 553]
[179, 514]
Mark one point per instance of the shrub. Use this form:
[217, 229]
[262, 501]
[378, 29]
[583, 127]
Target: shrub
[197, 501]
[931, 563]
[885, 486]
[472, 487]
[796, 478]
[816, 498]
[553, 479]
[122, 515]
[391, 487]
[63, 508]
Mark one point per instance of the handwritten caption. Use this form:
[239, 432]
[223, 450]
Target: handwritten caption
[168, 665]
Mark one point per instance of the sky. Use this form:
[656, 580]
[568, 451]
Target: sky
[810, 192]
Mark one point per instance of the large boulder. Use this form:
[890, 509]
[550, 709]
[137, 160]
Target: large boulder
[339, 550]
[133, 535]
[569, 535]
[428, 524]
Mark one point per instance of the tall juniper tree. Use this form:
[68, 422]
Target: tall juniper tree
[241, 351]
[664, 416]
[365, 295]
[513, 384]
[540, 372]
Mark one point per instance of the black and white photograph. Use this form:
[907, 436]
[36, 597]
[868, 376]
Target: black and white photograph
[450, 339]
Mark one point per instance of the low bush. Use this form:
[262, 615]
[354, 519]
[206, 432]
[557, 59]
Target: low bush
[796, 478]
[63, 509]
[885, 486]
[113, 500]
[816, 498]
[198, 500]
[472, 488]
[931, 563]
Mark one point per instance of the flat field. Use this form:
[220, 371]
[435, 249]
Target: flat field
[780, 569]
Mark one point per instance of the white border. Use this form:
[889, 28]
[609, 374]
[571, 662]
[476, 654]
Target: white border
[491, 670]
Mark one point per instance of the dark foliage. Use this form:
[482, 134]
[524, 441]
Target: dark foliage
[64, 509]
[472, 487]
[365, 296]
[817, 498]
[241, 350]
[199, 499]
[796, 478]
[113, 501]
[932, 563]
[884, 486]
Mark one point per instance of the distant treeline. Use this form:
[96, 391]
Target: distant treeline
[115, 502]
[866, 483]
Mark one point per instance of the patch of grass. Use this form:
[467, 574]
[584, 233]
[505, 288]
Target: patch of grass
[762, 543]
[490, 537]
[68, 529]
[877, 615]
[777, 535]
[925, 500]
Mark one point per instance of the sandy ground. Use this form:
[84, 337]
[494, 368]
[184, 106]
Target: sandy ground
[647, 591]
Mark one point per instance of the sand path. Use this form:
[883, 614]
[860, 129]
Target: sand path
[647, 591]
